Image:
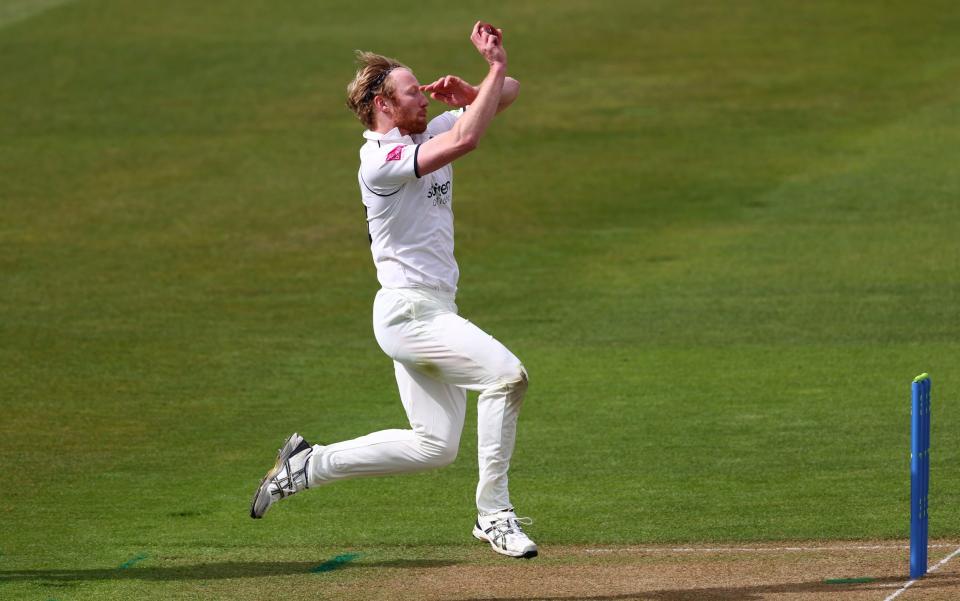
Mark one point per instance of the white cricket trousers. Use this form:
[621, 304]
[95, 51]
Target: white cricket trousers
[437, 357]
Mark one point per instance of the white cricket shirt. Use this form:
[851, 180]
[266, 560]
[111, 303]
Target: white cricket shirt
[409, 217]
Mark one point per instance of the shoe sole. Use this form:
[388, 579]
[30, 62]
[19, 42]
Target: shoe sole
[282, 455]
[480, 536]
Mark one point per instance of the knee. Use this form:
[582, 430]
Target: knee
[516, 382]
[438, 453]
[510, 383]
[447, 456]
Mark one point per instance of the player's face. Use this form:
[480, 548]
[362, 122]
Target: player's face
[409, 104]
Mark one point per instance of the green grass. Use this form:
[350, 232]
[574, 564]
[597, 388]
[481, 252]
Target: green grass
[722, 238]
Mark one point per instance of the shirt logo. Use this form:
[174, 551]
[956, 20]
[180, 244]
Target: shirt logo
[395, 154]
[440, 193]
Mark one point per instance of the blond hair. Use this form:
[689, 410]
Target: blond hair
[372, 80]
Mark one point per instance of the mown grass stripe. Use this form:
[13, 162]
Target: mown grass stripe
[15, 11]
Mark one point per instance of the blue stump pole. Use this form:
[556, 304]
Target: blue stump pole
[919, 475]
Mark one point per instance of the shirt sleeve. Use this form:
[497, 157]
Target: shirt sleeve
[387, 168]
[443, 122]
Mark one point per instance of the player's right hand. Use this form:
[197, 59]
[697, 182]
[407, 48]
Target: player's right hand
[488, 41]
[451, 90]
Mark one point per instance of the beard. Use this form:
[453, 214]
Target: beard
[411, 122]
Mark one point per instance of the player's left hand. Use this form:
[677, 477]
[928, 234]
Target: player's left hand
[451, 90]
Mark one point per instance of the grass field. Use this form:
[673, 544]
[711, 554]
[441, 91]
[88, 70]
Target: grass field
[722, 236]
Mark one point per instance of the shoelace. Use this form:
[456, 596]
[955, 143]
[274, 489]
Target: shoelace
[525, 521]
[291, 481]
[502, 527]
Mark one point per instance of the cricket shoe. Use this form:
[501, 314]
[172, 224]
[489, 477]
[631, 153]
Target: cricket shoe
[287, 476]
[504, 533]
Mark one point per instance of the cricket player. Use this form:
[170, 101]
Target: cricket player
[406, 184]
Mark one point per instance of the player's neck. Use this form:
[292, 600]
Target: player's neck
[384, 124]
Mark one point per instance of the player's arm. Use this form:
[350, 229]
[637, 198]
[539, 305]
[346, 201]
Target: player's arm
[511, 89]
[467, 131]
[458, 93]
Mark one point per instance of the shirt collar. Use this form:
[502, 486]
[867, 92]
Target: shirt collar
[390, 136]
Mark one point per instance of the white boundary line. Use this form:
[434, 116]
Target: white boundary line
[933, 569]
[759, 549]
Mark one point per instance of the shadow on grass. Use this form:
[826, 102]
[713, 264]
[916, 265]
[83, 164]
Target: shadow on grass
[208, 571]
[882, 586]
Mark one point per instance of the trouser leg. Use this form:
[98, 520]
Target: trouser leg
[458, 352]
[498, 408]
[435, 411]
[438, 355]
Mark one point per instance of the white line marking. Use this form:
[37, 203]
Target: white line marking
[758, 549]
[933, 569]
[899, 592]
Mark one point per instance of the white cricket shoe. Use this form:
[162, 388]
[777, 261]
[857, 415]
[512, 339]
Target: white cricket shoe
[504, 533]
[287, 476]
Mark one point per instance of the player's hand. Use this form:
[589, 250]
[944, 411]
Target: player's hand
[489, 42]
[451, 90]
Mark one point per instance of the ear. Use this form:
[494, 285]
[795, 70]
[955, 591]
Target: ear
[381, 104]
